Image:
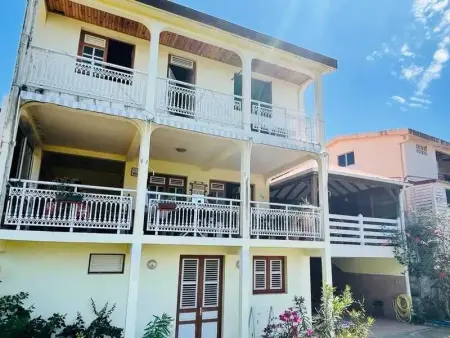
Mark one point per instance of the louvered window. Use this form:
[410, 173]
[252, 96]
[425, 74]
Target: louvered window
[268, 274]
[189, 283]
[211, 283]
[106, 263]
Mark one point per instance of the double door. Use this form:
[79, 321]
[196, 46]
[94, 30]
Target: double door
[199, 311]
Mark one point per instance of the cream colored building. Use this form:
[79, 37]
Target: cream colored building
[173, 122]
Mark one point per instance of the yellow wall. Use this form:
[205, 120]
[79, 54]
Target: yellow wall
[55, 275]
[371, 266]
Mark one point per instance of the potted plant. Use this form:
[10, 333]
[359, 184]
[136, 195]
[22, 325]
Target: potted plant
[66, 193]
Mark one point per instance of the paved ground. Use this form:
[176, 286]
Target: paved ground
[393, 329]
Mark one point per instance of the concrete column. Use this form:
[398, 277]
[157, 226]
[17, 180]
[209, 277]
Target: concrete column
[245, 279]
[323, 203]
[245, 190]
[318, 105]
[402, 218]
[155, 31]
[247, 89]
[133, 290]
[141, 189]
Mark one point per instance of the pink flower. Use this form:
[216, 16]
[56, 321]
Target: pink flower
[309, 332]
[417, 239]
[408, 235]
[437, 232]
[442, 275]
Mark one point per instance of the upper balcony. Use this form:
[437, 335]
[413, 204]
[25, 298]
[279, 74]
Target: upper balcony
[228, 85]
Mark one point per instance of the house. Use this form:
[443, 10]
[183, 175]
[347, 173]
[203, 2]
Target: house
[139, 142]
[364, 211]
[407, 154]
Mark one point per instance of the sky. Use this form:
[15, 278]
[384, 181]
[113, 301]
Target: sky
[392, 55]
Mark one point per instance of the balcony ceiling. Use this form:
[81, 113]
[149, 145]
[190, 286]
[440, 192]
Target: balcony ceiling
[63, 127]
[99, 18]
[207, 152]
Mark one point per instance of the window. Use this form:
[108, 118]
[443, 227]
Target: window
[106, 263]
[268, 275]
[96, 49]
[345, 160]
[167, 183]
[421, 149]
[23, 156]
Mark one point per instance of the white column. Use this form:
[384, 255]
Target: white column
[245, 281]
[133, 290]
[247, 89]
[323, 203]
[155, 31]
[401, 204]
[318, 105]
[141, 189]
[245, 191]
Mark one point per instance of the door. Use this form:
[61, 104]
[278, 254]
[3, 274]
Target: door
[199, 312]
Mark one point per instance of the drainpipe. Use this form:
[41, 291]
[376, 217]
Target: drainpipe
[11, 112]
[403, 157]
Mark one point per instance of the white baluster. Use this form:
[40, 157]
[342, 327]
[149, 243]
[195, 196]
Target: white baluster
[22, 200]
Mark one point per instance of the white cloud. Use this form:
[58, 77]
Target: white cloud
[420, 100]
[415, 105]
[403, 109]
[405, 50]
[441, 55]
[378, 54]
[399, 99]
[411, 72]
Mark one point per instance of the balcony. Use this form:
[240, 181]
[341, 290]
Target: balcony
[283, 221]
[78, 75]
[192, 215]
[359, 230]
[50, 206]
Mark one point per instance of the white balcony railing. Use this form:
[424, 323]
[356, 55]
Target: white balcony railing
[282, 221]
[176, 214]
[47, 204]
[185, 99]
[277, 121]
[359, 230]
[82, 76]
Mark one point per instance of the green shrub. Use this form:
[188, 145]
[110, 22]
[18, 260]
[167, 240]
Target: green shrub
[159, 327]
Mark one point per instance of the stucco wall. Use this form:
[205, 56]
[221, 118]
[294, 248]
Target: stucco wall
[376, 155]
[420, 167]
[55, 275]
[371, 266]
[59, 33]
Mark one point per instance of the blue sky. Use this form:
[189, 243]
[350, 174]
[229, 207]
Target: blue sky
[392, 55]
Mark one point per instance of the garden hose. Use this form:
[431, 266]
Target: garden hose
[403, 308]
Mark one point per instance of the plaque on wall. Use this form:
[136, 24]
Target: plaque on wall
[134, 171]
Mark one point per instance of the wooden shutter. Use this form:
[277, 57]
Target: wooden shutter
[211, 283]
[276, 274]
[259, 274]
[189, 283]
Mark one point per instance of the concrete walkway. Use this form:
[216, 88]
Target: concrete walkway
[393, 329]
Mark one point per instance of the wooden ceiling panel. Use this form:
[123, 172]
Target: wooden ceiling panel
[126, 26]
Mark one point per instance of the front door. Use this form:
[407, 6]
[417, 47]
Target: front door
[199, 311]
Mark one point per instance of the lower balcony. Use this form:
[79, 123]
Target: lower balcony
[51, 206]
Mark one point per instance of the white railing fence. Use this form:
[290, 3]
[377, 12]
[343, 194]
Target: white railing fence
[284, 221]
[277, 121]
[359, 230]
[83, 76]
[179, 214]
[185, 99]
[50, 204]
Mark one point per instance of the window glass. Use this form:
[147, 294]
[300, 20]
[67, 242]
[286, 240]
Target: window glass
[350, 158]
[341, 161]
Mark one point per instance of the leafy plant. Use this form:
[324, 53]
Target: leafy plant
[333, 311]
[159, 327]
[16, 321]
[100, 327]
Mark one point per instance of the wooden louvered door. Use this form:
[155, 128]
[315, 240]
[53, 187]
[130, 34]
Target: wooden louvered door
[199, 312]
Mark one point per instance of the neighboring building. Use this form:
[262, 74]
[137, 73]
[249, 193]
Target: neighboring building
[406, 154]
[365, 210]
[172, 122]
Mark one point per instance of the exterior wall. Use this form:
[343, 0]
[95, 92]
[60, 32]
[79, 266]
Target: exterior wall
[420, 167]
[210, 74]
[371, 266]
[376, 155]
[55, 275]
